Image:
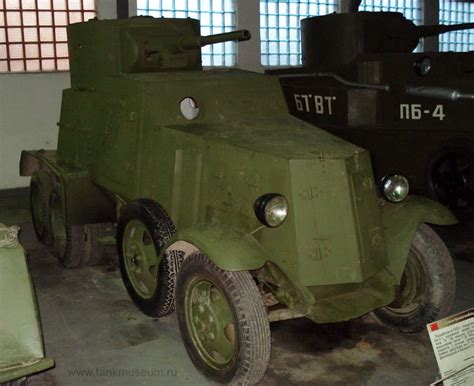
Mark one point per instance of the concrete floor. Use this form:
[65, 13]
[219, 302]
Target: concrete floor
[98, 337]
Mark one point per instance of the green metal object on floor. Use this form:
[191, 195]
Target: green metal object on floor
[21, 344]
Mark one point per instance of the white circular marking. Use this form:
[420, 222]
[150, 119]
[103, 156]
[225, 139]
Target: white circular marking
[189, 108]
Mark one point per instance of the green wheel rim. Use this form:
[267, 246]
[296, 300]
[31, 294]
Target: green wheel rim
[211, 323]
[141, 261]
[413, 286]
[37, 209]
[58, 225]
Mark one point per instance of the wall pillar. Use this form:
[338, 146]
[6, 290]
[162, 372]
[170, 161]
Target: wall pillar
[430, 11]
[248, 17]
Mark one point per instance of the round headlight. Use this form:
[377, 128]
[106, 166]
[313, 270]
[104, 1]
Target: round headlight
[422, 66]
[394, 188]
[271, 209]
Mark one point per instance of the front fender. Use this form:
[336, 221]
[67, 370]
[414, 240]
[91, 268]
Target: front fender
[401, 221]
[228, 248]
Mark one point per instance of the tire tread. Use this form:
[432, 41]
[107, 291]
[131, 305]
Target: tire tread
[161, 229]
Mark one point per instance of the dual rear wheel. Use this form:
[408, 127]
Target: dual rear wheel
[40, 189]
[74, 246]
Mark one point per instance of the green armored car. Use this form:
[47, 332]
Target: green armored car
[225, 204]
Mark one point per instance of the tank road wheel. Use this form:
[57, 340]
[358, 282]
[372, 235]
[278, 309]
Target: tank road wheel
[142, 230]
[40, 187]
[222, 321]
[452, 180]
[427, 286]
[69, 242]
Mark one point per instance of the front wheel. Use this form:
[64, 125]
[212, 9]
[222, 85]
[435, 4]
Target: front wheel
[427, 286]
[222, 321]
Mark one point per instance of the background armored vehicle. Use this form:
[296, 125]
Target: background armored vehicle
[21, 344]
[223, 200]
[411, 110]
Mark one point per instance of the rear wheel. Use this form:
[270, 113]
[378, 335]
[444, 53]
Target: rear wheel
[95, 234]
[69, 242]
[142, 231]
[427, 286]
[40, 187]
[222, 321]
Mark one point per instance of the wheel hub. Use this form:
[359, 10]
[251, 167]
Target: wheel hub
[140, 258]
[211, 322]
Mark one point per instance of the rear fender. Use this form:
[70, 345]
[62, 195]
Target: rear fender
[34, 160]
[85, 203]
[228, 248]
[401, 221]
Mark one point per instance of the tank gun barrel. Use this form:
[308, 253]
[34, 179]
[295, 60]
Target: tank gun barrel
[444, 93]
[424, 31]
[191, 42]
